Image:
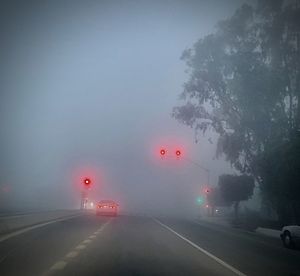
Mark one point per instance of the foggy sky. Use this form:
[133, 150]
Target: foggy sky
[90, 85]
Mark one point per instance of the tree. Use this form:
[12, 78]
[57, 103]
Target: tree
[215, 199]
[236, 188]
[281, 179]
[245, 84]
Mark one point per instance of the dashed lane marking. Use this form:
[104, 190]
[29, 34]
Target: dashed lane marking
[80, 247]
[59, 265]
[229, 267]
[72, 254]
[86, 241]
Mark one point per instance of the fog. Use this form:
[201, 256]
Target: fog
[87, 88]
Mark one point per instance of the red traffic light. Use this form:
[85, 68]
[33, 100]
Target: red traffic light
[207, 190]
[87, 182]
[178, 152]
[162, 152]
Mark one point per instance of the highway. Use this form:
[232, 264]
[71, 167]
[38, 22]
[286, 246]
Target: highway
[137, 245]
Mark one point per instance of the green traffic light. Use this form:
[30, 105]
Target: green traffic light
[200, 200]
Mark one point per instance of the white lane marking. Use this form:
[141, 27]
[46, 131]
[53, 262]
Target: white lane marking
[234, 270]
[87, 241]
[72, 254]
[103, 226]
[92, 236]
[80, 247]
[240, 231]
[19, 232]
[59, 266]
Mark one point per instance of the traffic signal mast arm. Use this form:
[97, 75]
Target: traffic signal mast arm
[201, 167]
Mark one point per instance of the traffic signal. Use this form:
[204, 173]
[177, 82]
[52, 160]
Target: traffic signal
[200, 200]
[178, 153]
[162, 152]
[87, 182]
[207, 191]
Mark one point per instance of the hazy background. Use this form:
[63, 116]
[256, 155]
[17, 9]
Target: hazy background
[87, 88]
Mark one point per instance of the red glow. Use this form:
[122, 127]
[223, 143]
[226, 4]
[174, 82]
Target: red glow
[87, 177]
[87, 181]
[165, 148]
[162, 152]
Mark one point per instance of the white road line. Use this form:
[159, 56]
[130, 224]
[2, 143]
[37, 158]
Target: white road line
[59, 266]
[86, 241]
[19, 232]
[72, 254]
[80, 247]
[253, 235]
[234, 270]
[92, 236]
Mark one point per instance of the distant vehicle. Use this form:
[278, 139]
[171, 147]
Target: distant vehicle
[107, 208]
[290, 236]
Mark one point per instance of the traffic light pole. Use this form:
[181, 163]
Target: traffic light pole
[87, 182]
[207, 171]
[201, 167]
[83, 198]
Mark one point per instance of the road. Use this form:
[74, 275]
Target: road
[136, 245]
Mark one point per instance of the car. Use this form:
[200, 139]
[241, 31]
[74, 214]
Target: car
[290, 236]
[107, 208]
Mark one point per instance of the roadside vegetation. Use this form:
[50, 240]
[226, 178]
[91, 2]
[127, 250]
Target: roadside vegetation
[244, 85]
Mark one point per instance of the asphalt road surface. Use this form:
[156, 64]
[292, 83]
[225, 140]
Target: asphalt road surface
[133, 245]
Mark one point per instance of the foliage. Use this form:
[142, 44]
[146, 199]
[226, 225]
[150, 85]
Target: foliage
[236, 188]
[215, 199]
[245, 84]
[281, 179]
